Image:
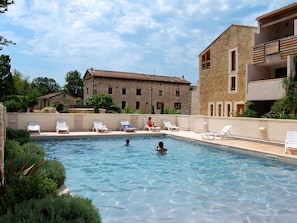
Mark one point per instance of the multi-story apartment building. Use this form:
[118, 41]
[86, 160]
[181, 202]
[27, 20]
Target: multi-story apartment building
[274, 49]
[222, 72]
[140, 91]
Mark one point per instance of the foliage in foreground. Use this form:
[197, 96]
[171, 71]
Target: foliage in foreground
[20, 188]
[52, 209]
[22, 136]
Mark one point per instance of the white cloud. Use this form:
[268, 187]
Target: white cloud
[123, 34]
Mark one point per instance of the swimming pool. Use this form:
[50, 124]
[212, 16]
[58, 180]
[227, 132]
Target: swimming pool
[191, 183]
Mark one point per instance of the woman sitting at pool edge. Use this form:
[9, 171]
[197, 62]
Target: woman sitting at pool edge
[150, 122]
[161, 148]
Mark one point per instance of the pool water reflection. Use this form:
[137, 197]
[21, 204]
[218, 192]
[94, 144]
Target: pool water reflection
[191, 183]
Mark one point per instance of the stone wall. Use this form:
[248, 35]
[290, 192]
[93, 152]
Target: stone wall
[214, 83]
[150, 93]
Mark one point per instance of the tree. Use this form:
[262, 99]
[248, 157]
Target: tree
[103, 101]
[20, 83]
[4, 4]
[48, 84]
[74, 83]
[6, 80]
[3, 8]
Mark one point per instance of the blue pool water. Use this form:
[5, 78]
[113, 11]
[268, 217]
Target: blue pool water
[191, 183]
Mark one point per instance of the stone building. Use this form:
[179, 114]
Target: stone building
[222, 72]
[273, 57]
[140, 91]
[49, 99]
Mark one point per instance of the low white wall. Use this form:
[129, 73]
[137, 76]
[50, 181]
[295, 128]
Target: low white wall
[274, 129]
[82, 121]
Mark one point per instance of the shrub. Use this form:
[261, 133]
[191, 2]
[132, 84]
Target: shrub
[33, 148]
[20, 188]
[52, 209]
[29, 154]
[22, 136]
[54, 170]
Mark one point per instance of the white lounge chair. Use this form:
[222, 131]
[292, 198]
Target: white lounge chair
[223, 133]
[61, 125]
[152, 129]
[291, 141]
[126, 126]
[169, 126]
[33, 127]
[99, 127]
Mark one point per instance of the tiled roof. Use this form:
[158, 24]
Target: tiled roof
[135, 76]
[51, 95]
[281, 10]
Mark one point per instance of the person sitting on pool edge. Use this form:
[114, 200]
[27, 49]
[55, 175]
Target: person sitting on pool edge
[150, 122]
[161, 148]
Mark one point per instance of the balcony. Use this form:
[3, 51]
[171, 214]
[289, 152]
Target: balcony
[283, 47]
[262, 90]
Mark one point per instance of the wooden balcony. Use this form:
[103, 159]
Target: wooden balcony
[284, 46]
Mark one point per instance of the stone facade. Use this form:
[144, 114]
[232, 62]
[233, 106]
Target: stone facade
[140, 91]
[195, 97]
[222, 72]
[48, 99]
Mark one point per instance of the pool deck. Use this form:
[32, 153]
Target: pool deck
[272, 150]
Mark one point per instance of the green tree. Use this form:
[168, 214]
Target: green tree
[6, 80]
[20, 83]
[74, 83]
[103, 101]
[4, 4]
[3, 8]
[48, 84]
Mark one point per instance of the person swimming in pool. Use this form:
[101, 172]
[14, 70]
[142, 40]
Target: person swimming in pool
[160, 148]
[127, 142]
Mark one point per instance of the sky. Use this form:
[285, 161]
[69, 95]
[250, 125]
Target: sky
[162, 37]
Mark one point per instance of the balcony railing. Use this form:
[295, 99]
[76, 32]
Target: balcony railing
[284, 46]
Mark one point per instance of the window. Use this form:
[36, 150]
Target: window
[177, 93]
[232, 83]
[177, 106]
[219, 110]
[205, 60]
[160, 92]
[138, 91]
[211, 111]
[228, 109]
[123, 91]
[281, 72]
[159, 105]
[109, 90]
[123, 104]
[87, 90]
[233, 60]
[137, 106]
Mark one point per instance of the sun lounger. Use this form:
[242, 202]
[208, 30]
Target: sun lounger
[61, 125]
[169, 126]
[153, 128]
[99, 127]
[126, 126]
[223, 133]
[33, 127]
[291, 141]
